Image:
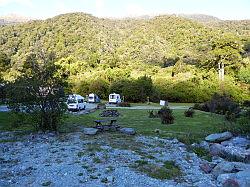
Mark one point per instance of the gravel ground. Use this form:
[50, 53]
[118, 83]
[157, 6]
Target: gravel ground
[105, 159]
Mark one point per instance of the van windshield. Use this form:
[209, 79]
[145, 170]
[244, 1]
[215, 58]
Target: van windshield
[70, 101]
[112, 96]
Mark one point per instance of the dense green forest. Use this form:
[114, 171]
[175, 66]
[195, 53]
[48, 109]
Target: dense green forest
[165, 57]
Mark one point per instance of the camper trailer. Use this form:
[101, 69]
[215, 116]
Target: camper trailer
[93, 98]
[76, 102]
[114, 98]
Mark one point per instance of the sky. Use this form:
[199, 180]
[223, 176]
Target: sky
[42, 9]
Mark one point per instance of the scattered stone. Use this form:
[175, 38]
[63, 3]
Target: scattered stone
[90, 131]
[110, 179]
[216, 149]
[129, 131]
[206, 167]
[219, 137]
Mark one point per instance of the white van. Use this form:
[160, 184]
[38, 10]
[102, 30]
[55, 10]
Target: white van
[114, 98]
[93, 98]
[76, 102]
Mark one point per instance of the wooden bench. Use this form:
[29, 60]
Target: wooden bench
[106, 124]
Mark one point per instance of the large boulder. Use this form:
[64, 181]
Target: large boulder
[129, 131]
[229, 167]
[90, 131]
[238, 154]
[237, 141]
[230, 153]
[241, 178]
[219, 137]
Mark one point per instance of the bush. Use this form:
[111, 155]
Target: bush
[220, 104]
[189, 112]
[124, 104]
[246, 103]
[166, 115]
[38, 92]
[201, 106]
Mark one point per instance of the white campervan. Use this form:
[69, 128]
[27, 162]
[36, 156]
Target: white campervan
[114, 98]
[93, 98]
[76, 102]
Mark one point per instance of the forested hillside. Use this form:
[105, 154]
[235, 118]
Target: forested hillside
[176, 58]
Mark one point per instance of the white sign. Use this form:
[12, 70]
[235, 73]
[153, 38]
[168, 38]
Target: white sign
[162, 102]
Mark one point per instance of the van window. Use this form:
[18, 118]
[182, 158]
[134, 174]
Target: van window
[80, 100]
[112, 96]
[70, 101]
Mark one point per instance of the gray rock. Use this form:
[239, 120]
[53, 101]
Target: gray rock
[204, 145]
[231, 183]
[242, 179]
[229, 167]
[219, 137]
[216, 149]
[230, 153]
[90, 131]
[206, 167]
[129, 131]
[222, 168]
[237, 141]
[110, 179]
[238, 154]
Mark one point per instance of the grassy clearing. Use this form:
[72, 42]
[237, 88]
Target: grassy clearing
[186, 129]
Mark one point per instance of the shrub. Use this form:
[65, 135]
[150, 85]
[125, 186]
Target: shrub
[166, 115]
[220, 104]
[246, 103]
[201, 106]
[39, 92]
[124, 104]
[189, 112]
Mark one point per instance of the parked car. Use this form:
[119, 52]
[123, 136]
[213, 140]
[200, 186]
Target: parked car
[76, 102]
[114, 98]
[93, 98]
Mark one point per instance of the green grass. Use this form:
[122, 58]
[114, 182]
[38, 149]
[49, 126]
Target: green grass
[201, 152]
[168, 171]
[6, 119]
[186, 129]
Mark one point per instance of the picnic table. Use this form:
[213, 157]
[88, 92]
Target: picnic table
[106, 124]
